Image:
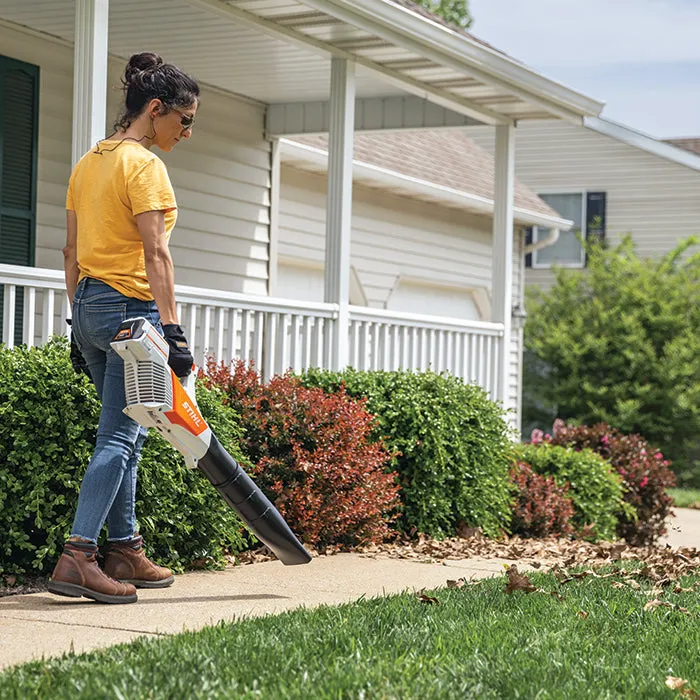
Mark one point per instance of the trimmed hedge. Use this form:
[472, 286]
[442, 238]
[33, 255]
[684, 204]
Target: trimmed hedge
[594, 487]
[48, 419]
[452, 442]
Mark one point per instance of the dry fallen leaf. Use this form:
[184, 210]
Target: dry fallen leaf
[518, 581]
[430, 600]
[583, 614]
[459, 583]
[681, 685]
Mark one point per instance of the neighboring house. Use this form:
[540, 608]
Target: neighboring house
[272, 73]
[610, 180]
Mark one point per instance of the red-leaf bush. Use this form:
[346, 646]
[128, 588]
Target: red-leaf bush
[541, 508]
[313, 456]
[645, 473]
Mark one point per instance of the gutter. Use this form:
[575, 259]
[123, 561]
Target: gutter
[464, 200]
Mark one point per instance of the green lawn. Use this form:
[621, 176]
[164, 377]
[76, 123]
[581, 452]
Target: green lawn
[685, 498]
[477, 642]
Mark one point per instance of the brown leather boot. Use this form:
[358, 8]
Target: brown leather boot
[127, 562]
[77, 574]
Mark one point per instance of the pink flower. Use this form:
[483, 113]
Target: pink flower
[558, 425]
[536, 436]
[658, 455]
[643, 482]
[605, 440]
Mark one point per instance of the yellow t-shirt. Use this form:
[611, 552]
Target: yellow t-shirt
[107, 190]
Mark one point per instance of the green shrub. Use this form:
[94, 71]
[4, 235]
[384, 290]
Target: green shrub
[644, 471]
[48, 419]
[594, 487]
[453, 446]
[618, 343]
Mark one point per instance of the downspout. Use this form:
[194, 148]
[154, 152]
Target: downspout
[550, 240]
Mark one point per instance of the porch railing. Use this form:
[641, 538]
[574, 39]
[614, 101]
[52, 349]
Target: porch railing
[381, 339]
[277, 334]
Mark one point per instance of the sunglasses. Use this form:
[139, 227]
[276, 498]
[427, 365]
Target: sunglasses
[186, 120]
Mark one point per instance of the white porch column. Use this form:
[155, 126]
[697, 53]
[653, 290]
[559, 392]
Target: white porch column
[89, 74]
[339, 207]
[502, 279]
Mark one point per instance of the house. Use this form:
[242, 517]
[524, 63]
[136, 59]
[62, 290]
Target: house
[272, 72]
[610, 180]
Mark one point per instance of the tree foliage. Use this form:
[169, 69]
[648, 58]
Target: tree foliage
[619, 343]
[453, 11]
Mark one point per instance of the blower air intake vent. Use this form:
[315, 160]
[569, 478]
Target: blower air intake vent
[147, 382]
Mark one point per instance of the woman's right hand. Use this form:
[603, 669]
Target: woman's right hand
[180, 358]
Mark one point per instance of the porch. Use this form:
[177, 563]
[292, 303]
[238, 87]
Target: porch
[275, 70]
[275, 334]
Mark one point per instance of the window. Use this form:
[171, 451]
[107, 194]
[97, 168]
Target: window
[19, 104]
[587, 211]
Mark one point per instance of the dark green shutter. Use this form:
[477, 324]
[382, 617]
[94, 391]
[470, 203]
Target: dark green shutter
[595, 215]
[19, 110]
[528, 241]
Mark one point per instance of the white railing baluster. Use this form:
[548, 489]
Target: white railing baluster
[192, 329]
[271, 333]
[245, 336]
[8, 316]
[306, 335]
[29, 316]
[294, 345]
[206, 332]
[220, 324]
[259, 346]
[47, 315]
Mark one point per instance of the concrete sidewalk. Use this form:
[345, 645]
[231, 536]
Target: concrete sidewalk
[41, 624]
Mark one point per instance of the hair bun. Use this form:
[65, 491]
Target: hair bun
[140, 62]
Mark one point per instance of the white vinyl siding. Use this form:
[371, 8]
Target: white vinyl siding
[393, 239]
[221, 175]
[654, 199]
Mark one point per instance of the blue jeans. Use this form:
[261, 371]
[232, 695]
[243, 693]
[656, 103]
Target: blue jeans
[108, 489]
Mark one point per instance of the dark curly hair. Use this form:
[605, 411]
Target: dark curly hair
[146, 78]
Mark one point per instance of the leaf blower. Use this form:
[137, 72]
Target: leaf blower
[156, 398]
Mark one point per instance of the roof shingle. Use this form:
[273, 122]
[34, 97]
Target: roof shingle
[442, 157]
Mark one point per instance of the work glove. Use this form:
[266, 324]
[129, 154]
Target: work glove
[76, 357]
[180, 357]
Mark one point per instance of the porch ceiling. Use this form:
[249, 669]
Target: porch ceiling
[279, 51]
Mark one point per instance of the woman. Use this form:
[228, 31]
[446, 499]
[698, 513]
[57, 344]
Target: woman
[121, 210]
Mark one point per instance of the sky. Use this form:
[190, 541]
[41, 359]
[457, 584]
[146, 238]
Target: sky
[640, 57]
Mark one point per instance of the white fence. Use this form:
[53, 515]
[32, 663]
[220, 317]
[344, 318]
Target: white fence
[276, 334]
